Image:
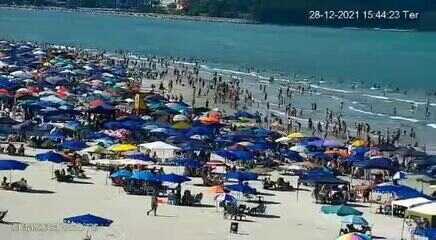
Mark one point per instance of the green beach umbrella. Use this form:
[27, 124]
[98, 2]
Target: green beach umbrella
[340, 210]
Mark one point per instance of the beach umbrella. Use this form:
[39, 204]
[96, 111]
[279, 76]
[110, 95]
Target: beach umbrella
[123, 148]
[296, 135]
[340, 210]
[241, 176]
[282, 140]
[51, 157]
[173, 178]
[358, 143]
[299, 149]
[180, 118]
[399, 175]
[12, 165]
[121, 174]
[140, 156]
[144, 176]
[354, 219]
[244, 188]
[225, 197]
[354, 236]
[190, 163]
[73, 145]
[93, 149]
[89, 220]
[181, 125]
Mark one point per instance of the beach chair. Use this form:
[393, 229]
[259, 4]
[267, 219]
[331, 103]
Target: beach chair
[258, 210]
[197, 199]
[3, 215]
[63, 178]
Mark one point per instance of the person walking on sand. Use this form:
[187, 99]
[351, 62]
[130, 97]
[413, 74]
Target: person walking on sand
[153, 204]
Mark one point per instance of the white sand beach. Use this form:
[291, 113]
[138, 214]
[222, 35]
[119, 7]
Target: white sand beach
[287, 216]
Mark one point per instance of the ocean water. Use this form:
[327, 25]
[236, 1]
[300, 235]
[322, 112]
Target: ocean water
[349, 61]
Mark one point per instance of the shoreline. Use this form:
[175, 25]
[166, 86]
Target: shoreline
[124, 13]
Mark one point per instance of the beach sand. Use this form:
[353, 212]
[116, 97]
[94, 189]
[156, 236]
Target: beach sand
[288, 216]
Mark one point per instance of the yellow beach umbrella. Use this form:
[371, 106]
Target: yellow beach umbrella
[123, 148]
[296, 135]
[358, 143]
[181, 125]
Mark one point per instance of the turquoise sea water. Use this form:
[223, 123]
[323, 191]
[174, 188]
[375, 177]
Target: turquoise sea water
[343, 57]
[370, 56]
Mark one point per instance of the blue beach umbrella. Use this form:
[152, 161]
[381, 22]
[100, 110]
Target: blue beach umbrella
[241, 176]
[51, 157]
[74, 145]
[173, 178]
[89, 220]
[144, 176]
[121, 174]
[244, 188]
[12, 165]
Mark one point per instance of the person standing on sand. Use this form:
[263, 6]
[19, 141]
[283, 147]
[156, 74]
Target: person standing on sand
[153, 204]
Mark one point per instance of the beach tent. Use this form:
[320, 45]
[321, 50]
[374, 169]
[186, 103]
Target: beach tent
[427, 211]
[410, 202]
[51, 157]
[89, 220]
[162, 150]
[340, 210]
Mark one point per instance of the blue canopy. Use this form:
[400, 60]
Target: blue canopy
[241, 176]
[12, 165]
[400, 191]
[174, 178]
[51, 157]
[121, 174]
[244, 188]
[144, 176]
[74, 145]
[89, 220]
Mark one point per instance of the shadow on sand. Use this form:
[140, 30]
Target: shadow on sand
[39, 191]
[266, 216]
[263, 201]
